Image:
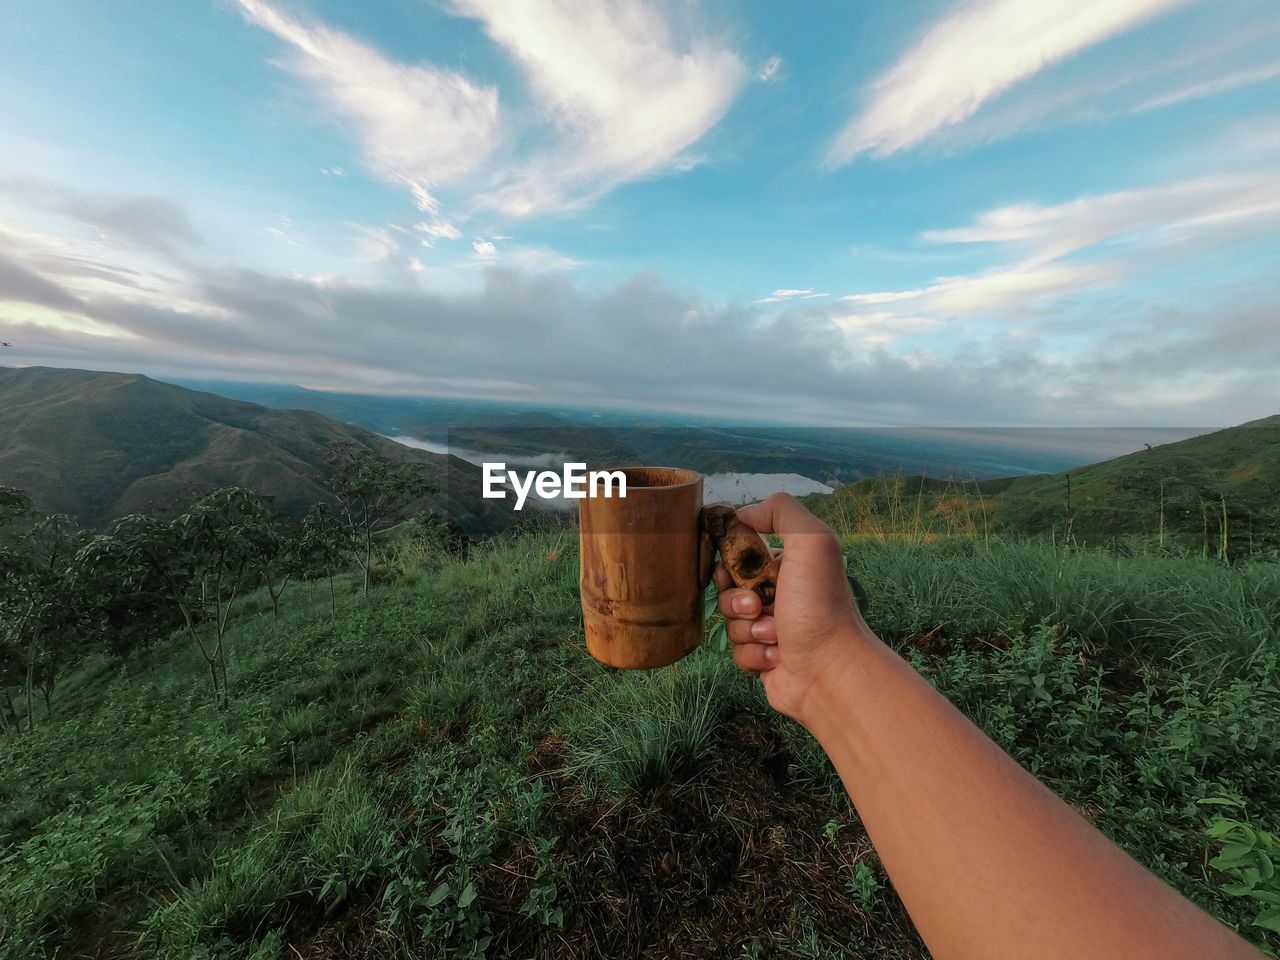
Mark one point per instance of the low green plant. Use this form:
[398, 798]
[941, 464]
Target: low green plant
[634, 731]
[1248, 856]
[863, 884]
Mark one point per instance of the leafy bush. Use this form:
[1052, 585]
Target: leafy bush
[1248, 856]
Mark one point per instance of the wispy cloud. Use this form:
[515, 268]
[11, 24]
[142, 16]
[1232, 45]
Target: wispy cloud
[1055, 230]
[1208, 88]
[534, 258]
[430, 231]
[1224, 57]
[1088, 243]
[1009, 290]
[882, 296]
[626, 96]
[375, 244]
[785, 294]
[117, 244]
[971, 56]
[768, 71]
[284, 231]
[153, 223]
[417, 124]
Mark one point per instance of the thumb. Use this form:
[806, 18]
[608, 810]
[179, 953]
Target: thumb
[782, 514]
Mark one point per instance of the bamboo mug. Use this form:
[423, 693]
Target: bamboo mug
[645, 560]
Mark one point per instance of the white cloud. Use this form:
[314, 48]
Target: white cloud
[1013, 289]
[1089, 243]
[1052, 231]
[538, 259]
[626, 96]
[92, 246]
[1226, 56]
[619, 92]
[884, 296]
[1005, 290]
[878, 330]
[768, 71]
[436, 229]
[532, 258]
[785, 294]
[1207, 88]
[375, 244]
[419, 125]
[973, 55]
[284, 234]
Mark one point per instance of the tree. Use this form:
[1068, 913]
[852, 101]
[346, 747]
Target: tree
[322, 543]
[42, 618]
[199, 562]
[10, 676]
[129, 602]
[14, 505]
[372, 493]
[276, 555]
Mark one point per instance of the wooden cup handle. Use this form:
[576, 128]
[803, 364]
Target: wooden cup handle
[744, 553]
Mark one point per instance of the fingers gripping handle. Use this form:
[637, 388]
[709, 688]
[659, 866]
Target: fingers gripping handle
[744, 553]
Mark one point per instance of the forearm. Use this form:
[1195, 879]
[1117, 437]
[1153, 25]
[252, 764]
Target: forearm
[988, 861]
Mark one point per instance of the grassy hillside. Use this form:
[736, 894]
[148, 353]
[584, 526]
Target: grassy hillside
[440, 770]
[1188, 492]
[98, 446]
[1238, 467]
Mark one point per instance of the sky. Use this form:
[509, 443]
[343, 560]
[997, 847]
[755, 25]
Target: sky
[929, 212]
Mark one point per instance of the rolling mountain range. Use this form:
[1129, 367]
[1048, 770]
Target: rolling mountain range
[98, 446]
[710, 444]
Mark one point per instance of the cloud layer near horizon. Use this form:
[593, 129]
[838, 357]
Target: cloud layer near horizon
[545, 337]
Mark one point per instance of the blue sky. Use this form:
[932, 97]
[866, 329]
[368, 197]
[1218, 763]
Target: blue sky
[985, 212]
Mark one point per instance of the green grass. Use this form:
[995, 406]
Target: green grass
[1239, 465]
[441, 771]
[1213, 495]
[1199, 616]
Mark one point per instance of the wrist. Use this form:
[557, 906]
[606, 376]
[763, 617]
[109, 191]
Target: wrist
[850, 657]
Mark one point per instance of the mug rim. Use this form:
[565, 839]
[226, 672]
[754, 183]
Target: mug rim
[689, 477]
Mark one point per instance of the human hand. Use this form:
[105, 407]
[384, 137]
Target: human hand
[814, 625]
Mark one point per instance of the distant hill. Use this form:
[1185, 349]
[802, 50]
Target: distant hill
[98, 446]
[1238, 467]
[1192, 482]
